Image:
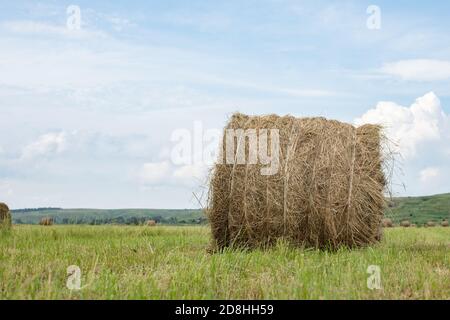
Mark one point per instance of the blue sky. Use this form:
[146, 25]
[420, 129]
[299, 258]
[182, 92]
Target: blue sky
[87, 115]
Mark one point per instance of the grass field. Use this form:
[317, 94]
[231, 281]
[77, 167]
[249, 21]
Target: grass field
[132, 262]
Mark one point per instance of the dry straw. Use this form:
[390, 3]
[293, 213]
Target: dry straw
[387, 223]
[405, 223]
[444, 223]
[5, 215]
[48, 221]
[328, 191]
[150, 223]
[431, 224]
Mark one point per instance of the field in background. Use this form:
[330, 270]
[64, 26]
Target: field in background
[169, 262]
[111, 216]
[417, 210]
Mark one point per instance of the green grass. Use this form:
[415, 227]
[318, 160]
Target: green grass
[131, 262]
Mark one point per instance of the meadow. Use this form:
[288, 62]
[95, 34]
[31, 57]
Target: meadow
[173, 262]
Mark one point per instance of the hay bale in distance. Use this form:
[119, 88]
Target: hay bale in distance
[150, 223]
[328, 191]
[444, 223]
[413, 225]
[379, 235]
[387, 223]
[405, 224]
[47, 221]
[431, 224]
[5, 215]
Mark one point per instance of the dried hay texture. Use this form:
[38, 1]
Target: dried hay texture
[150, 223]
[327, 193]
[444, 223]
[5, 215]
[405, 224]
[46, 221]
[387, 223]
[431, 224]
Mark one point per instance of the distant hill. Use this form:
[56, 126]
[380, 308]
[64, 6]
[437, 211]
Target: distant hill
[418, 210]
[102, 216]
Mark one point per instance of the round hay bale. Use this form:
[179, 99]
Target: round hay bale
[47, 221]
[327, 190]
[431, 224]
[387, 223]
[150, 223]
[405, 224]
[444, 223]
[5, 215]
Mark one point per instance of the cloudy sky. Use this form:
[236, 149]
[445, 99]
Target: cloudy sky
[89, 116]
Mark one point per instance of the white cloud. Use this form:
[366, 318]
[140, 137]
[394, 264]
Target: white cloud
[307, 92]
[191, 173]
[210, 21]
[418, 69]
[411, 127]
[155, 172]
[118, 23]
[29, 27]
[421, 133]
[45, 145]
[429, 174]
[107, 68]
[163, 173]
[258, 85]
[5, 189]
